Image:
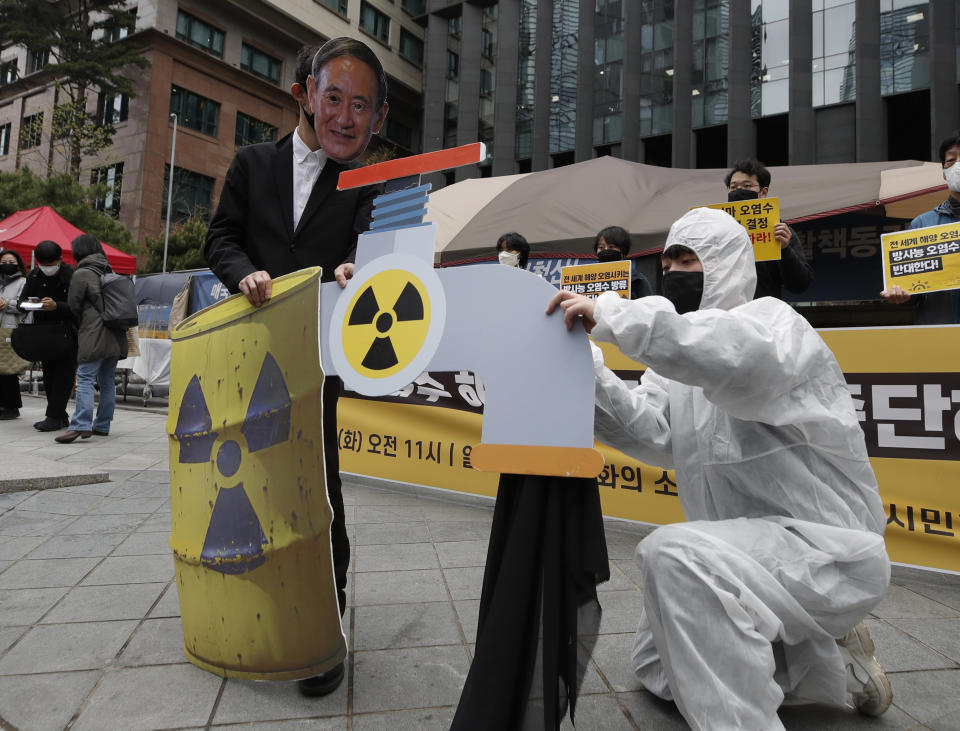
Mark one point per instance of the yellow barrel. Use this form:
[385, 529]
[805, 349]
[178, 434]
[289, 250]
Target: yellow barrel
[250, 517]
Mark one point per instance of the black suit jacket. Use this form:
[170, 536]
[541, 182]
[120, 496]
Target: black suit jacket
[252, 228]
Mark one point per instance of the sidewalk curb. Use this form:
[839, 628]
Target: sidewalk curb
[49, 483]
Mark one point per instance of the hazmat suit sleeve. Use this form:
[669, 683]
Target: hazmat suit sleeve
[634, 420]
[754, 361]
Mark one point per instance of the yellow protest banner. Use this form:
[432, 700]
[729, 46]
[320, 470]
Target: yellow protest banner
[905, 385]
[593, 280]
[922, 259]
[759, 217]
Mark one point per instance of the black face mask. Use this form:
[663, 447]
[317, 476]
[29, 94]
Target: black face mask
[309, 117]
[684, 289]
[742, 194]
[605, 255]
[9, 267]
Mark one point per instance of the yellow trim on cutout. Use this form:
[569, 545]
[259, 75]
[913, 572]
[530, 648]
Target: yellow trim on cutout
[530, 460]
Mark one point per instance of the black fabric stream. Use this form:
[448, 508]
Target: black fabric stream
[547, 553]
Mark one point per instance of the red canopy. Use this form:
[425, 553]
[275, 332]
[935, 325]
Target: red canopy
[23, 230]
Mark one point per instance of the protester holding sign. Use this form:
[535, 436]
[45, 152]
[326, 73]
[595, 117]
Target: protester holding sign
[749, 180]
[613, 244]
[784, 552]
[939, 307]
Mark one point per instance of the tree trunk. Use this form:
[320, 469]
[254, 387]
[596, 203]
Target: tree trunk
[78, 115]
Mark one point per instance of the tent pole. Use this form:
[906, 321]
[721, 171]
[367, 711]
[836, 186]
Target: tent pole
[173, 152]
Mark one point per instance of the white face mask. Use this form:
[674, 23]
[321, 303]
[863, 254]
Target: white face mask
[509, 258]
[952, 174]
[50, 270]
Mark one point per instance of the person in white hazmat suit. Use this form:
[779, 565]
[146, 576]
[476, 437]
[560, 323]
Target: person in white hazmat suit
[758, 598]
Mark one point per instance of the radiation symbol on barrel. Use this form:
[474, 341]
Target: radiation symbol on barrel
[387, 325]
[234, 539]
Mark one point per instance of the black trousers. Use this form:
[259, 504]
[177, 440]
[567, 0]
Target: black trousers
[10, 392]
[58, 378]
[338, 529]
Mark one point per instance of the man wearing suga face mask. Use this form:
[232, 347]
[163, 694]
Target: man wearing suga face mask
[759, 598]
[280, 211]
[937, 307]
[749, 180]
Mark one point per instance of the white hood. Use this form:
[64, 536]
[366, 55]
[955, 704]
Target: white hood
[725, 251]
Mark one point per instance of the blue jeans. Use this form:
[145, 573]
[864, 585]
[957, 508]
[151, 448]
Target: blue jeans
[101, 371]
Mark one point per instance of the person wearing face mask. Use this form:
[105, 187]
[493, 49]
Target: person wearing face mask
[749, 180]
[759, 598]
[280, 211]
[12, 279]
[937, 307]
[513, 250]
[49, 282]
[613, 244]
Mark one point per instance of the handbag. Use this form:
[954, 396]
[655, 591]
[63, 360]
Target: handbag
[44, 341]
[10, 362]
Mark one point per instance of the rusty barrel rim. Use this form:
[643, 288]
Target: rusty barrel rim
[236, 307]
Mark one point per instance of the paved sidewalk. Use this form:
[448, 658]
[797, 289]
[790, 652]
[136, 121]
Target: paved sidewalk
[90, 634]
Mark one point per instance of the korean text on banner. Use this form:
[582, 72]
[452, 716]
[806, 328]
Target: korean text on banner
[905, 385]
[759, 217]
[593, 280]
[923, 259]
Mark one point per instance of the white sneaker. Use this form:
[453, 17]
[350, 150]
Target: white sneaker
[866, 680]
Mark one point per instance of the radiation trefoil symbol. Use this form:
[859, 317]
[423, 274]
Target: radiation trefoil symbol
[387, 325]
[234, 542]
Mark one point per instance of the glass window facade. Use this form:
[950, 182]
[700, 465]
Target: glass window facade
[904, 46]
[451, 107]
[37, 59]
[5, 139]
[526, 71]
[111, 177]
[488, 73]
[563, 75]
[770, 47]
[834, 65]
[251, 130]
[608, 72]
[260, 64]
[337, 6]
[192, 194]
[414, 7]
[8, 72]
[200, 34]
[709, 72]
[31, 131]
[375, 23]
[112, 108]
[194, 111]
[411, 47]
[656, 67]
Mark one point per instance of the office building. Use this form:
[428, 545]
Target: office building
[699, 83]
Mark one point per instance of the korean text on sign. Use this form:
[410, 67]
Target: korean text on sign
[759, 217]
[593, 280]
[923, 259]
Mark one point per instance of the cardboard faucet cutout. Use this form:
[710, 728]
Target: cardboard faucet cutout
[399, 316]
[250, 516]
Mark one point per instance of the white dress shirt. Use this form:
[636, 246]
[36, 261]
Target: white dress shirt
[307, 165]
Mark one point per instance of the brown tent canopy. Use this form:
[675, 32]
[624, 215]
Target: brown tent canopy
[559, 211]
